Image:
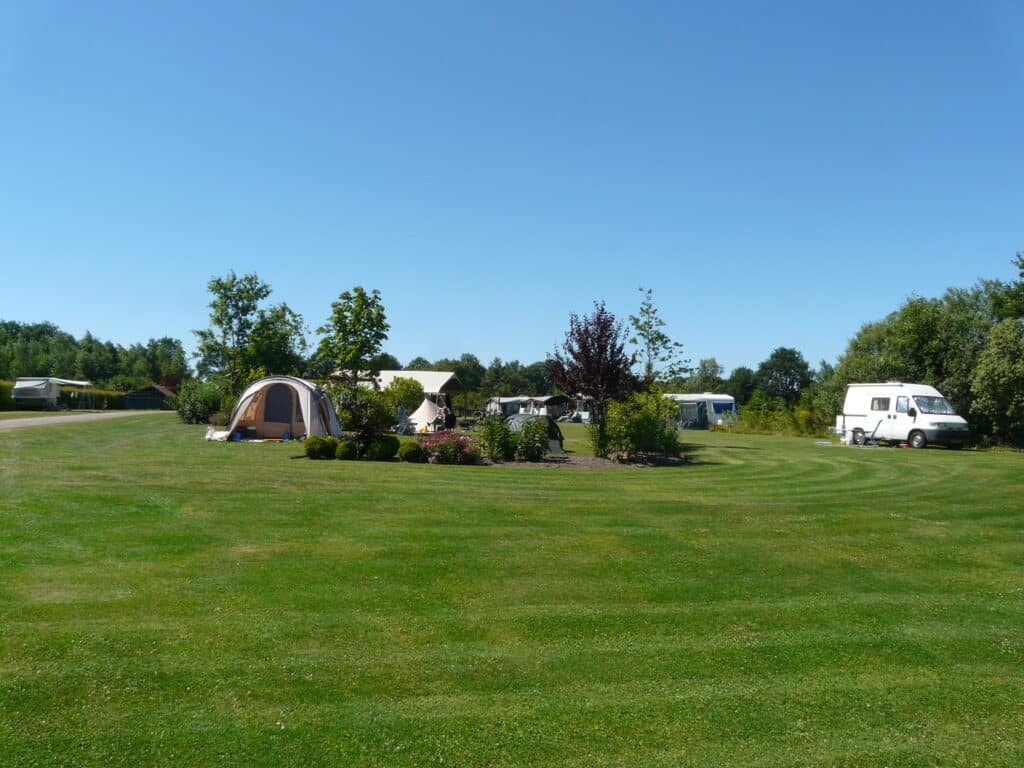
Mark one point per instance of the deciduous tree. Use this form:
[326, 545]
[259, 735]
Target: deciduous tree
[660, 357]
[593, 363]
[352, 340]
[998, 382]
[784, 374]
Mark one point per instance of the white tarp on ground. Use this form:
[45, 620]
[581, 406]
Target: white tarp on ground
[424, 416]
[282, 406]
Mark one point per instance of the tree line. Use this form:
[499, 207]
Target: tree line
[43, 349]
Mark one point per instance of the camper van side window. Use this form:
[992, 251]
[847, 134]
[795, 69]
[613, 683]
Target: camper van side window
[902, 403]
[880, 403]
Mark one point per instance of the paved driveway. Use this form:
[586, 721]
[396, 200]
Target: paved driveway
[73, 418]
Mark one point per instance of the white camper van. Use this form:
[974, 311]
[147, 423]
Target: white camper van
[897, 412]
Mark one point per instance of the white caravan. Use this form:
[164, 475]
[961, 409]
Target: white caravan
[703, 410]
[895, 412]
[43, 391]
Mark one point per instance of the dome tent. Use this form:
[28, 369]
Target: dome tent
[276, 406]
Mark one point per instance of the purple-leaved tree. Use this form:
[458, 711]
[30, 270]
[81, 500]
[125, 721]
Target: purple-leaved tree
[593, 363]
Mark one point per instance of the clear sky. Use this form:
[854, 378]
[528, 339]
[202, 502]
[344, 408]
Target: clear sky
[779, 173]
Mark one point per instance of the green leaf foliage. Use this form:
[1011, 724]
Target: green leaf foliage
[998, 381]
[644, 424]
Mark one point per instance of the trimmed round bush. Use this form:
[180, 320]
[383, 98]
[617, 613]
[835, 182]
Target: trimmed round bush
[412, 452]
[314, 446]
[320, 447]
[346, 450]
[382, 448]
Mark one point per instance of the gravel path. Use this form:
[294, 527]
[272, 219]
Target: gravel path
[42, 421]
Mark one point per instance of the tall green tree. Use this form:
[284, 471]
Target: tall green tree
[276, 343]
[419, 363]
[233, 314]
[707, 377]
[1009, 298]
[246, 340]
[385, 362]
[407, 393]
[741, 384]
[783, 375]
[659, 356]
[352, 339]
[998, 381]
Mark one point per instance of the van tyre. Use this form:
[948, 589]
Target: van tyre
[858, 437]
[917, 440]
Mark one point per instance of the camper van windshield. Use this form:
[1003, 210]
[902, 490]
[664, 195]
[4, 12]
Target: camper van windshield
[934, 405]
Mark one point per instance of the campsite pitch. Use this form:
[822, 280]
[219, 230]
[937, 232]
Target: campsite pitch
[167, 601]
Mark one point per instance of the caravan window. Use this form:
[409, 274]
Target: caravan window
[721, 406]
[901, 404]
[880, 403]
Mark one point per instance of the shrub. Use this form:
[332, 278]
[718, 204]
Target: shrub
[404, 392]
[321, 447]
[382, 448]
[643, 425]
[450, 448]
[533, 441]
[197, 401]
[314, 447]
[346, 450]
[6, 401]
[219, 419]
[765, 414]
[496, 441]
[412, 452]
[362, 411]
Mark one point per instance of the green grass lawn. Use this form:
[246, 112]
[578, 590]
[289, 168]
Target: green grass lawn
[167, 601]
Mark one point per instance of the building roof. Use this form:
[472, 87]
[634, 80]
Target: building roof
[155, 388]
[433, 382]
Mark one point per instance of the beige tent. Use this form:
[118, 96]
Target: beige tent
[282, 406]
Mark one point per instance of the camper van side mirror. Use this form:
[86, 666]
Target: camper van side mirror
[912, 413]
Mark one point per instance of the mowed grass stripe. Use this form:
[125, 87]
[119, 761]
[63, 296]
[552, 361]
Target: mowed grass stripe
[168, 601]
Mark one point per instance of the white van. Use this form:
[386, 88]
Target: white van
[895, 412]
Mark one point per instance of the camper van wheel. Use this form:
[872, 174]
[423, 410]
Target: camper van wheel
[918, 440]
[858, 437]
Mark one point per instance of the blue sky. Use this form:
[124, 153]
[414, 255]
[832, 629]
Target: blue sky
[778, 173]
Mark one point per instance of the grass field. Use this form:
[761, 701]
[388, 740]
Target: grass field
[166, 601]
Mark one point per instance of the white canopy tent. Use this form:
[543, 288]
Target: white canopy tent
[426, 417]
